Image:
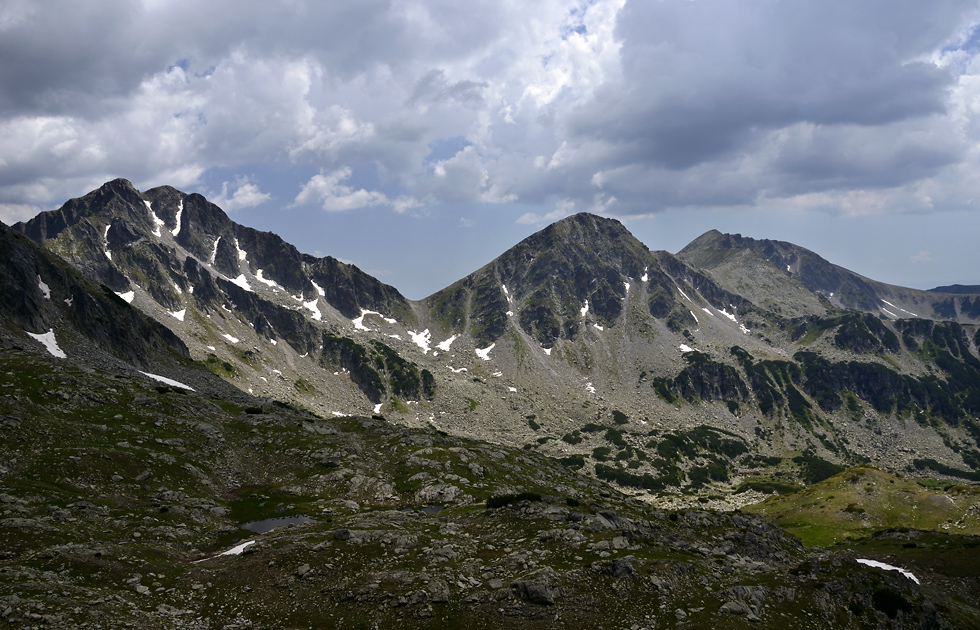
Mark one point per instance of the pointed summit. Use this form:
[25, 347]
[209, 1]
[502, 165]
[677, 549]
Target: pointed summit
[794, 281]
[575, 272]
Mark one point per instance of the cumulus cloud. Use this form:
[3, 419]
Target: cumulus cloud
[327, 190]
[12, 213]
[617, 106]
[923, 257]
[562, 209]
[246, 195]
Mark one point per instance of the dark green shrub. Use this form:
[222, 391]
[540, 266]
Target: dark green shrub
[575, 462]
[615, 437]
[506, 499]
[813, 469]
[890, 602]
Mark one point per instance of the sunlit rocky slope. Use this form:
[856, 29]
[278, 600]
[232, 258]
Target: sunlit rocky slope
[464, 460]
[735, 360]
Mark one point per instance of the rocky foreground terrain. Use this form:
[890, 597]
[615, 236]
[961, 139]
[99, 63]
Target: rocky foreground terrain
[124, 502]
[201, 427]
[681, 375]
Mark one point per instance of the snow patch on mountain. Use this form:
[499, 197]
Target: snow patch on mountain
[311, 306]
[645, 277]
[214, 251]
[127, 296]
[598, 327]
[50, 343]
[45, 289]
[318, 289]
[696, 320]
[230, 338]
[684, 294]
[157, 221]
[269, 283]
[895, 307]
[238, 549]
[179, 315]
[105, 242]
[168, 381]
[180, 211]
[685, 348]
[421, 339]
[888, 567]
[359, 321]
[484, 353]
[584, 309]
[455, 371]
[547, 351]
[242, 256]
[445, 345]
[242, 281]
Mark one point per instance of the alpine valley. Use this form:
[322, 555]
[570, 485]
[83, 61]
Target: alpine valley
[202, 427]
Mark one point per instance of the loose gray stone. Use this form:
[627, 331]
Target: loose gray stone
[438, 591]
[734, 608]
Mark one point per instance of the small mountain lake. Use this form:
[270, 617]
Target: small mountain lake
[268, 524]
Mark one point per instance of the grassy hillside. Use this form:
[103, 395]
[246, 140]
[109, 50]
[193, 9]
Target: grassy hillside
[861, 500]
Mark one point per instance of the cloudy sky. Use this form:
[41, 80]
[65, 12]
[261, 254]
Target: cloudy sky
[419, 139]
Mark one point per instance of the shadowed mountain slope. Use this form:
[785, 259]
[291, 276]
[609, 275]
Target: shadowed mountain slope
[576, 271]
[791, 271]
[670, 375]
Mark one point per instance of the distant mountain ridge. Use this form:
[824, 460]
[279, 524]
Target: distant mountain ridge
[728, 257]
[698, 384]
[39, 292]
[958, 289]
[576, 336]
[575, 272]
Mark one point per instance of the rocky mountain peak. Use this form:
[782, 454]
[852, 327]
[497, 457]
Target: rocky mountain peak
[574, 273]
[800, 282]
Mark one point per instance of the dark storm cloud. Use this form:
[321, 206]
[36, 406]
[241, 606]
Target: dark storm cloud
[620, 106]
[58, 54]
[702, 79]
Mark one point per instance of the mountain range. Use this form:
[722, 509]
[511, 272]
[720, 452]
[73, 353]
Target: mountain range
[573, 326]
[708, 379]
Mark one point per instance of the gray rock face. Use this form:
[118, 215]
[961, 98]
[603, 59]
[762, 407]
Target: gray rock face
[539, 588]
[438, 591]
[279, 323]
[72, 302]
[620, 568]
[734, 608]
